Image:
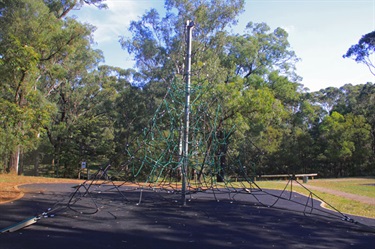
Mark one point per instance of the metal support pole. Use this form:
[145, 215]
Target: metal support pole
[185, 149]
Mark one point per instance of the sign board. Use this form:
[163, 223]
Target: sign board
[83, 165]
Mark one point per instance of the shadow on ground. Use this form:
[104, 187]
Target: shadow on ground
[160, 221]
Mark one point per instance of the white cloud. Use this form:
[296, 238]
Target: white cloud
[290, 29]
[114, 21]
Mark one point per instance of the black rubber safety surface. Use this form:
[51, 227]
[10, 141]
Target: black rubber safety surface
[150, 219]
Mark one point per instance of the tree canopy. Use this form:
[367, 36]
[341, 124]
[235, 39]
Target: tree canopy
[363, 51]
[60, 105]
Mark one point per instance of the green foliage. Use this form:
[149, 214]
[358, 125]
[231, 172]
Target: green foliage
[61, 8]
[333, 131]
[260, 52]
[20, 45]
[40, 54]
[363, 51]
[247, 106]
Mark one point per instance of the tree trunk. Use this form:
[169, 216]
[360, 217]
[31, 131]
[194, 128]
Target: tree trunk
[222, 154]
[373, 142]
[36, 162]
[20, 163]
[14, 161]
[56, 159]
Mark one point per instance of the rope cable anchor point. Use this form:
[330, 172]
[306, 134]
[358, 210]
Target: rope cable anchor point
[348, 219]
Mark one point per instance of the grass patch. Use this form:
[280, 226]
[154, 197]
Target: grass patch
[358, 186]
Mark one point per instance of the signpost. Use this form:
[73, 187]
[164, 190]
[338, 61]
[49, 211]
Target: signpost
[84, 166]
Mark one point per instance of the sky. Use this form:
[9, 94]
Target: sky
[320, 32]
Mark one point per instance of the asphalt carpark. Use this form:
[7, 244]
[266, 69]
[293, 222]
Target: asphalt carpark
[149, 218]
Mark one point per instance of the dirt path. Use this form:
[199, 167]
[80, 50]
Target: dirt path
[363, 199]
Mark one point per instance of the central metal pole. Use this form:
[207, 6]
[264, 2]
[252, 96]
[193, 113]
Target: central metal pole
[185, 149]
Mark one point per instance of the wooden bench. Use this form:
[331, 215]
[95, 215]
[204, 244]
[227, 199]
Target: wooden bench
[287, 177]
[305, 177]
[312, 175]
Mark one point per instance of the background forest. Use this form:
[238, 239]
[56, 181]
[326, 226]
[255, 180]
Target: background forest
[60, 105]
